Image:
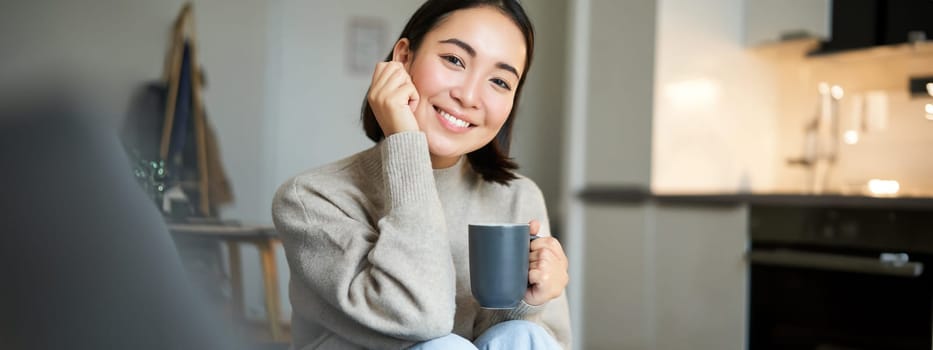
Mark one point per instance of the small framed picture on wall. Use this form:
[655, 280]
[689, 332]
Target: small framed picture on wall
[367, 44]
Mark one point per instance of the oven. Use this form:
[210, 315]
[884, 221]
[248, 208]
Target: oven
[840, 278]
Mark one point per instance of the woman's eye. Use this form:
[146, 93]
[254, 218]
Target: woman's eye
[454, 60]
[501, 83]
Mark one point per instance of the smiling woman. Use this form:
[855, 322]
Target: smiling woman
[467, 46]
[377, 242]
[464, 72]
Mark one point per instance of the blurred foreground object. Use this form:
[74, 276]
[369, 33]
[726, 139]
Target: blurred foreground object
[86, 258]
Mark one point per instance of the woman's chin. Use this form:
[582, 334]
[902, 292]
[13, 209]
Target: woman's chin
[444, 151]
[445, 155]
[441, 146]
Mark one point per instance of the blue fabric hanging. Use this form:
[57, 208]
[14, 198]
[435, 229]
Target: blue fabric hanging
[183, 105]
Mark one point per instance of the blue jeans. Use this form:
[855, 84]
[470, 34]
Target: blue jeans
[511, 335]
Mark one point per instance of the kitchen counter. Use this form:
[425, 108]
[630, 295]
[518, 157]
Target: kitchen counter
[636, 194]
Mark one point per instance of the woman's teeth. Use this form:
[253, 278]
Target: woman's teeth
[454, 121]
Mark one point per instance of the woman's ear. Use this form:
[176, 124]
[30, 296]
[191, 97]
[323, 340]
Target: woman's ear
[402, 52]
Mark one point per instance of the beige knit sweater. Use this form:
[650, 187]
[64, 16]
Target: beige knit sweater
[377, 248]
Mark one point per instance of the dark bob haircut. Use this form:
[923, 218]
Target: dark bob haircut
[492, 161]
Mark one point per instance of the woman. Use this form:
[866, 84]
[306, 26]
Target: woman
[377, 242]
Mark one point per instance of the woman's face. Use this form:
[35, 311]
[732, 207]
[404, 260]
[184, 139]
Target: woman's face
[466, 72]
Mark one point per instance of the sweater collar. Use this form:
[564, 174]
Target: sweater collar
[455, 176]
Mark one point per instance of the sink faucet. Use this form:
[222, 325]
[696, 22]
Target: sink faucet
[821, 140]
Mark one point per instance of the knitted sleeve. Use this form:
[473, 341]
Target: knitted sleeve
[379, 281]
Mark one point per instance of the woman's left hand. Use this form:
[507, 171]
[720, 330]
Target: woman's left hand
[547, 268]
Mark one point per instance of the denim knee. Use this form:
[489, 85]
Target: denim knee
[450, 341]
[516, 335]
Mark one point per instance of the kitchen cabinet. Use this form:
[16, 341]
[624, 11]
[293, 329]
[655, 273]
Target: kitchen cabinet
[661, 276]
[768, 21]
[615, 279]
[858, 24]
[701, 276]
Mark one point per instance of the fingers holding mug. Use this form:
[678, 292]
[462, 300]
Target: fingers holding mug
[547, 270]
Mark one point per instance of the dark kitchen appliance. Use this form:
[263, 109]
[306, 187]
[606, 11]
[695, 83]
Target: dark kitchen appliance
[840, 278]
[859, 24]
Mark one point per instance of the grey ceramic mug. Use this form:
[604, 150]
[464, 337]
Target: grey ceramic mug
[499, 264]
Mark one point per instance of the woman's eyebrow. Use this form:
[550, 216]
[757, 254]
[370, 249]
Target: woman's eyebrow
[472, 52]
[466, 47]
[508, 67]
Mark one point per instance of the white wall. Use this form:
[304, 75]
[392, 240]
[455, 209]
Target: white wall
[109, 47]
[538, 140]
[620, 84]
[714, 102]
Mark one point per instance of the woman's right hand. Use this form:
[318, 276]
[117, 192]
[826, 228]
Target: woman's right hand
[393, 98]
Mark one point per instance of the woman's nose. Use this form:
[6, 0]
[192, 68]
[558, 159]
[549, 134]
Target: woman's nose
[467, 93]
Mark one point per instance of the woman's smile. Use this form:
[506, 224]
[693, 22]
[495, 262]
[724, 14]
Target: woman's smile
[452, 122]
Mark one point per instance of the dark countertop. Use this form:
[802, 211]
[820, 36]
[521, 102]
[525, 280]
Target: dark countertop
[637, 194]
